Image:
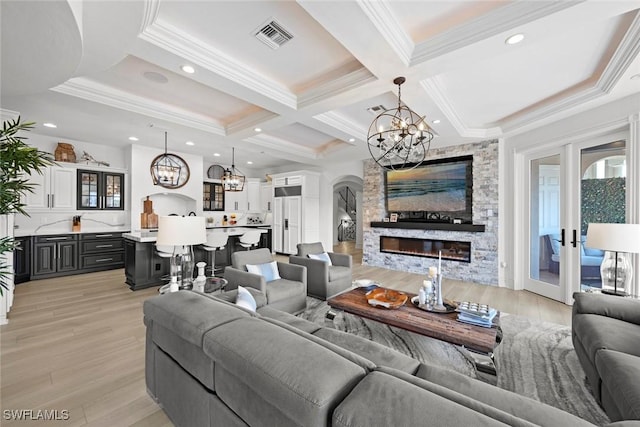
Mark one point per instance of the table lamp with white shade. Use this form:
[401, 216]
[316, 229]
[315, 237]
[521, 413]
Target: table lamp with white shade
[182, 232]
[619, 241]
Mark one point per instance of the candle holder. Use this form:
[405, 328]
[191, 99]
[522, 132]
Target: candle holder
[439, 305]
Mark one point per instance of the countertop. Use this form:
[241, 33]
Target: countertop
[44, 231]
[150, 236]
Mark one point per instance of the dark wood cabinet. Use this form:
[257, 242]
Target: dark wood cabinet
[22, 260]
[54, 255]
[143, 267]
[212, 196]
[101, 251]
[99, 190]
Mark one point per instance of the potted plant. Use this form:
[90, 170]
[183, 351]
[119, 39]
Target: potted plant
[17, 161]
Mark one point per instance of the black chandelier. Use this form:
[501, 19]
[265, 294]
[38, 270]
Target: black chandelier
[169, 170]
[232, 180]
[399, 138]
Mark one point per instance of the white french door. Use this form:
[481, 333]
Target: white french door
[563, 190]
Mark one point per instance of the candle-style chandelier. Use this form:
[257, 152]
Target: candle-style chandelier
[232, 180]
[169, 170]
[399, 138]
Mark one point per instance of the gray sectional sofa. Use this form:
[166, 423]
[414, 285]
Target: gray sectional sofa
[606, 337]
[211, 363]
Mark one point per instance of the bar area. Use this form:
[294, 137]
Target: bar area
[427, 248]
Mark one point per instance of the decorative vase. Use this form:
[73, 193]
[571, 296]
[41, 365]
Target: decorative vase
[616, 272]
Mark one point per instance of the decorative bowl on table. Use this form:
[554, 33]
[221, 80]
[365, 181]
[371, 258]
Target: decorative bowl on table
[448, 306]
[386, 298]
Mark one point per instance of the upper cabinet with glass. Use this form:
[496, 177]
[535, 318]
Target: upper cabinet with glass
[100, 190]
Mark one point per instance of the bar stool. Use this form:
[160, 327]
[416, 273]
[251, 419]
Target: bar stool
[250, 239]
[216, 241]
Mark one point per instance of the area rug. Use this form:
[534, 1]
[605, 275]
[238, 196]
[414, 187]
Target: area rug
[535, 359]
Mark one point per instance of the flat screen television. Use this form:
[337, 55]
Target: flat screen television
[438, 190]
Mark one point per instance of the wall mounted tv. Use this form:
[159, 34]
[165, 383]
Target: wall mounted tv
[438, 191]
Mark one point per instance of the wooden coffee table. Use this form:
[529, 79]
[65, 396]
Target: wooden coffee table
[444, 327]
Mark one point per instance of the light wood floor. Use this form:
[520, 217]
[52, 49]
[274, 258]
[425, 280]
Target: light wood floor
[77, 343]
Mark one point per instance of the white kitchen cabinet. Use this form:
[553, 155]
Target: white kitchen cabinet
[296, 217]
[266, 196]
[55, 189]
[235, 201]
[253, 195]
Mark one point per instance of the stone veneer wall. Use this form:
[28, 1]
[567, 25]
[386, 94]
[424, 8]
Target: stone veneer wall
[483, 267]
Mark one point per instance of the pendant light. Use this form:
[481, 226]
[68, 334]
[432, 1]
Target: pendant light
[232, 180]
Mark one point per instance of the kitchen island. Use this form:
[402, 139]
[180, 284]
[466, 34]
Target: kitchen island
[145, 268]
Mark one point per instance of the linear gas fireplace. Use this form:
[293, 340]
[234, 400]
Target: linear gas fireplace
[427, 248]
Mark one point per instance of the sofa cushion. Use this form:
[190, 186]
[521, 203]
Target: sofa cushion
[386, 400]
[601, 332]
[284, 289]
[245, 299]
[323, 256]
[232, 296]
[181, 313]
[379, 354]
[262, 369]
[289, 319]
[268, 270]
[627, 309]
[620, 374]
[305, 249]
[512, 403]
[337, 272]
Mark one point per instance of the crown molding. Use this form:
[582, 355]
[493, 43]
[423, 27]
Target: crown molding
[280, 144]
[183, 45]
[150, 14]
[96, 92]
[250, 121]
[494, 22]
[336, 86]
[436, 93]
[622, 58]
[340, 122]
[380, 14]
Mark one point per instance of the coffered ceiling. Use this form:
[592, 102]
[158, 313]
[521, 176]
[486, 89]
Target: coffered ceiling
[103, 71]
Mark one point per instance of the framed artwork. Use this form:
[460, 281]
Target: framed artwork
[393, 217]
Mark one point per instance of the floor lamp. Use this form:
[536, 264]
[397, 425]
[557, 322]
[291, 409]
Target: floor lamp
[619, 241]
[182, 232]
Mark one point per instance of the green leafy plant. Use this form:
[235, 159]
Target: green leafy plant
[17, 161]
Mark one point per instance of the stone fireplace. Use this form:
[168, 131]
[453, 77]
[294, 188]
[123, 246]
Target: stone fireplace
[427, 248]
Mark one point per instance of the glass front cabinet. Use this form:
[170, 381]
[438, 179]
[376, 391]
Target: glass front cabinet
[212, 197]
[100, 190]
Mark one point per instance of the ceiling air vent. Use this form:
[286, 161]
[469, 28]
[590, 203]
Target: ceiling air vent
[376, 109]
[273, 34]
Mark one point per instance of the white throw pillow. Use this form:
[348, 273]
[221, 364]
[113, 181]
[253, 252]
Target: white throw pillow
[322, 257]
[268, 270]
[245, 299]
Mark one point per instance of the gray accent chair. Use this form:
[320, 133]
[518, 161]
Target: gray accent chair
[606, 337]
[324, 280]
[286, 294]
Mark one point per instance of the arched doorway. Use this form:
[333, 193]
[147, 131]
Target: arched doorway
[347, 214]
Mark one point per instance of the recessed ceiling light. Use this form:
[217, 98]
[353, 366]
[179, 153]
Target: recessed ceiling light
[49, 125]
[635, 77]
[352, 140]
[436, 121]
[249, 162]
[258, 129]
[514, 39]
[216, 154]
[188, 69]
[133, 138]
[190, 143]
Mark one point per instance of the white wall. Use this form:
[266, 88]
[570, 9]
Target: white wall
[114, 156]
[180, 200]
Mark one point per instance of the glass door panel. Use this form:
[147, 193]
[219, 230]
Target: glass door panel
[545, 236]
[602, 200]
[88, 196]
